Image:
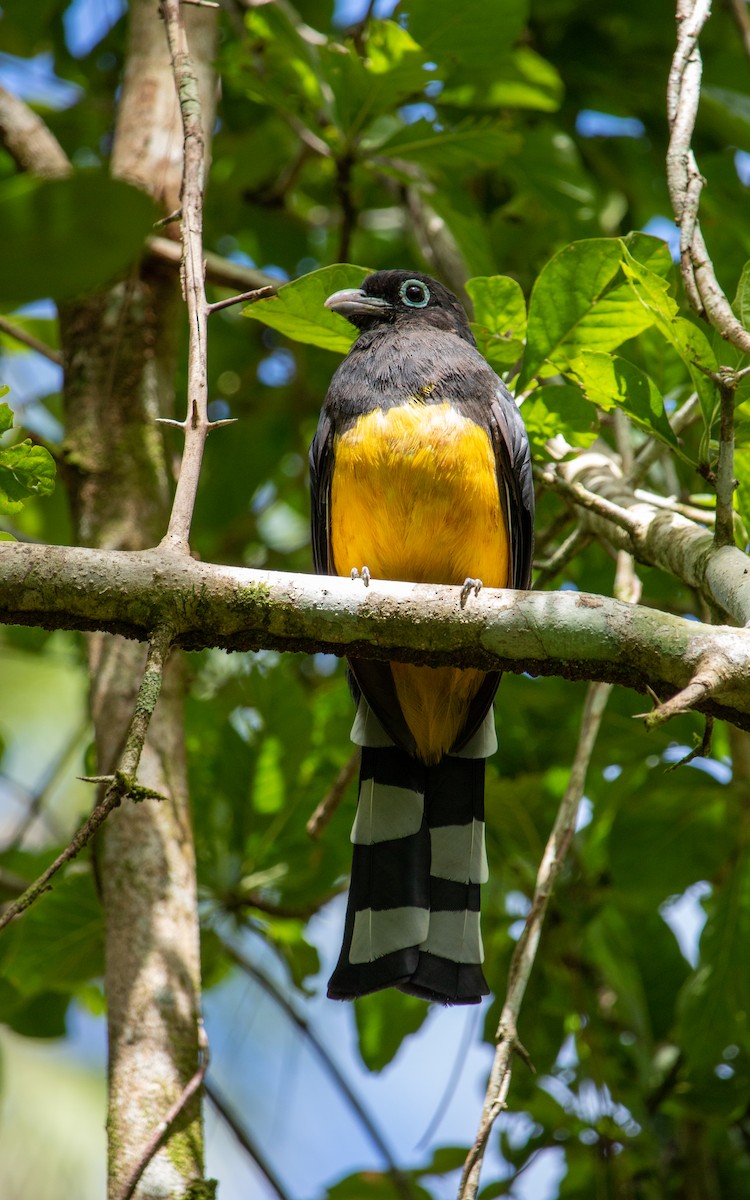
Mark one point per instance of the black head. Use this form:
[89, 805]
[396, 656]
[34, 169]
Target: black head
[394, 297]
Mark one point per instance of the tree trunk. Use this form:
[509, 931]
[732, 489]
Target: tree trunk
[120, 362]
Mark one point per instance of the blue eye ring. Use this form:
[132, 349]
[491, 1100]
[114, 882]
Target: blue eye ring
[420, 293]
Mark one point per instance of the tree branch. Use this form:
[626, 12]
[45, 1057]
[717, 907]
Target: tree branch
[572, 634]
[685, 181]
[220, 271]
[197, 424]
[524, 954]
[32, 343]
[122, 782]
[30, 143]
[654, 536]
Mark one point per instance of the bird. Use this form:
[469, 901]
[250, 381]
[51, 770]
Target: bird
[420, 470]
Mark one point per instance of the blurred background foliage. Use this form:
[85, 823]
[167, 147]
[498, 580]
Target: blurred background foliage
[470, 140]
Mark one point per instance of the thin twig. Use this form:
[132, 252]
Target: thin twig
[334, 795]
[220, 271]
[157, 1137]
[587, 499]
[400, 1181]
[36, 797]
[28, 339]
[248, 1144]
[243, 298]
[704, 684]
[685, 181]
[177, 536]
[575, 542]
[123, 780]
[29, 141]
[526, 947]
[702, 750]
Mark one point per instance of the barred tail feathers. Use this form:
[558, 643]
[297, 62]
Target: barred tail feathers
[413, 912]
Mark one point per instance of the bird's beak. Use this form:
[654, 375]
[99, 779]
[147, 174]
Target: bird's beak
[351, 302]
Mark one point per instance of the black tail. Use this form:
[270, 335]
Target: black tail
[412, 919]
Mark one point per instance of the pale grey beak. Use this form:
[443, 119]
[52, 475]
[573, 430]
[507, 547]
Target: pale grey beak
[352, 302]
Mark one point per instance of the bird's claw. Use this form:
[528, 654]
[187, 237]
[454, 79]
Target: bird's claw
[470, 585]
[364, 575]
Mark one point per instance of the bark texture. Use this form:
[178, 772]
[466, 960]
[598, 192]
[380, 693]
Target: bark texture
[120, 363]
[573, 634]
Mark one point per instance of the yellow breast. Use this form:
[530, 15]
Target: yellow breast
[415, 496]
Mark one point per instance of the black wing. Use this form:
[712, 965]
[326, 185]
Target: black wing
[516, 487]
[321, 472]
[514, 478]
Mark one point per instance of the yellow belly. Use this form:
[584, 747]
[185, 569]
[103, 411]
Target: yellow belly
[414, 496]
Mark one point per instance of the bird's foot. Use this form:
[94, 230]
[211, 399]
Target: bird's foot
[470, 585]
[364, 575]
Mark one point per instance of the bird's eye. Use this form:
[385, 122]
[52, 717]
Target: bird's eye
[414, 293]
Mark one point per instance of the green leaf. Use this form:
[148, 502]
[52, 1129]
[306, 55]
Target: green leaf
[383, 1021]
[278, 67]
[25, 470]
[374, 1185]
[727, 113]
[741, 304]
[66, 237]
[297, 310]
[657, 851]
[60, 942]
[610, 381]
[499, 318]
[268, 784]
[474, 145]
[715, 1003]
[689, 341]
[742, 493]
[522, 79]
[45, 330]
[463, 219]
[392, 72]
[580, 301]
[466, 40]
[559, 410]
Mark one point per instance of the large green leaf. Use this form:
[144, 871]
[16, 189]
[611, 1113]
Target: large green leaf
[581, 301]
[383, 1021]
[522, 79]
[65, 237]
[559, 411]
[715, 1003]
[298, 308]
[461, 215]
[742, 493]
[278, 66]
[611, 381]
[25, 470]
[467, 39]
[689, 341]
[391, 72]
[474, 145]
[742, 299]
[59, 944]
[727, 113]
[499, 323]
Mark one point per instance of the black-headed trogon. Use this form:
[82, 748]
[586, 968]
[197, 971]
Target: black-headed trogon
[419, 470]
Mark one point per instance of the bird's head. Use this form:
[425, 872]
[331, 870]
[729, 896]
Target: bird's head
[396, 297]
